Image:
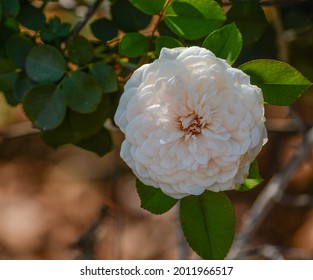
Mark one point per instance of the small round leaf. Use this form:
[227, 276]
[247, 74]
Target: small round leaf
[104, 29]
[127, 18]
[82, 92]
[10, 8]
[45, 106]
[31, 17]
[100, 143]
[45, 64]
[105, 75]
[87, 124]
[133, 45]
[17, 49]
[80, 50]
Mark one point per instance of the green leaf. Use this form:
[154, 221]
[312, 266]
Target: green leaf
[64, 30]
[249, 18]
[21, 86]
[10, 8]
[166, 42]
[208, 223]
[45, 106]
[104, 29]
[55, 29]
[8, 77]
[80, 50]
[100, 143]
[281, 83]
[225, 43]
[63, 134]
[8, 27]
[45, 64]
[105, 76]
[31, 17]
[133, 44]
[153, 199]
[150, 7]
[127, 18]
[17, 49]
[253, 179]
[194, 19]
[87, 124]
[82, 92]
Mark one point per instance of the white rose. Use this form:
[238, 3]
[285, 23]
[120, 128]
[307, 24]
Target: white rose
[191, 123]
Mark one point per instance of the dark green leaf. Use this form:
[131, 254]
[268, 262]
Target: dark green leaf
[253, 178]
[194, 19]
[150, 7]
[100, 143]
[105, 76]
[55, 29]
[31, 17]
[166, 42]
[8, 27]
[127, 17]
[8, 77]
[45, 106]
[7, 81]
[104, 29]
[133, 44]
[208, 223]
[250, 19]
[63, 134]
[22, 84]
[45, 64]
[10, 8]
[153, 199]
[87, 124]
[82, 92]
[80, 50]
[225, 43]
[281, 83]
[17, 49]
[64, 30]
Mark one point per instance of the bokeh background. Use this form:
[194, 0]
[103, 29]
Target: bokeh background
[71, 204]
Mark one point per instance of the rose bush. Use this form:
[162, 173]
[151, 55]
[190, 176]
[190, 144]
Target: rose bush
[191, 123]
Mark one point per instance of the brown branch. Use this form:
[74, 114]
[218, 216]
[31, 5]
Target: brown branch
[87, 241]
[80, 25]
[273, 192]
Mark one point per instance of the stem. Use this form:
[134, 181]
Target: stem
[79, 26]
[160, 18]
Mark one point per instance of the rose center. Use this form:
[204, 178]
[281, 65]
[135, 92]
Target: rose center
[191, 124]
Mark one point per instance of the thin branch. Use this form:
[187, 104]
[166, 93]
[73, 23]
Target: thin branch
[276, 252]
[80, 25]
[86, 242]
[271, 194]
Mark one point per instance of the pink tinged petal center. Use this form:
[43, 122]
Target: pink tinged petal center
[191, 125]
